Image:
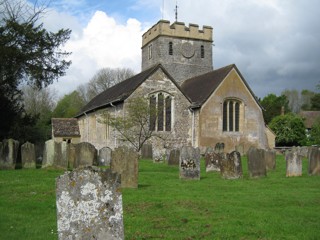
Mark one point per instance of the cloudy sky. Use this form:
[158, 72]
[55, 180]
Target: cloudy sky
[274, 43]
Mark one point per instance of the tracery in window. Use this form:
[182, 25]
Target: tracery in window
[231, 115]
[161, 104]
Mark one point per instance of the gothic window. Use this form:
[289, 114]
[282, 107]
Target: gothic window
[231, 116]
[202, 51]
[170, 48]
[160, 112]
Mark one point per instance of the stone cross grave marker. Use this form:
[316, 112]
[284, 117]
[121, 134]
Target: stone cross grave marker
[256, 163]
[124, 161]
[189, 163]
[89, 205]
[293, 164]
[231, 166]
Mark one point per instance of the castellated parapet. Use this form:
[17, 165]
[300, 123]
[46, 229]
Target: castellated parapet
[177, 29]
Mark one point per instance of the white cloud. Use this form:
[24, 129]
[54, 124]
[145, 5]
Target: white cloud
[102, 43]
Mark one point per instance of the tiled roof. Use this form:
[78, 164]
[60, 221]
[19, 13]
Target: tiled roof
[310, 117]
[65, 127]
[119, 92]
[200, 88]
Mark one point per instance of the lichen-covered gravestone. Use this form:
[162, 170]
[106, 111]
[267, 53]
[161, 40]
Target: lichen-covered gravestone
[8, 153]
[189, 163]
[55, 155]
[89, 205]
[124, 161]
[256, 163]
[230, 165]
[104, 156]
[314, 161]
[270, 158]
[174, 157]
[86, 155]
[28, 155]
[213, 160]
[294, 164]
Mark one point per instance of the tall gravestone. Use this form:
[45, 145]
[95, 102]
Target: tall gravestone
[28, 155]
[256, 163]
[270, 158]
[55, 155]
[89, 205]
[293, 164]
[8, 153]
[231, 166]
[146, 151]
[124, 161]
[86, 155]
[189, 164]
[314, 161]
[174, 157]
[104, 156]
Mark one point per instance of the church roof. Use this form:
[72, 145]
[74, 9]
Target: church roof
[200, 88]
[118, 93]
[65, 127]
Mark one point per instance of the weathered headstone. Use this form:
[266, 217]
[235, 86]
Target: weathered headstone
[294, 164]
[230, 165]
[213, 160]
[104, 156]
[86, 155]
[314, 161]
[219, 148]
[256, 163]
[8, 153]
[189, 163]
[55, 155]
[146, 151]
[124, 161]
[28, 155]
[174, 157]
[270, 158]
[89, 205]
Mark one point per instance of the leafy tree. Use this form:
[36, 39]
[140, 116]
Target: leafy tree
[68, 106]
[314, 138]
[272, 105]
[315, 102]
[29, 54]
[306, 96]
[294, 100]
[134, 127]
[289, 130]
[102, 80]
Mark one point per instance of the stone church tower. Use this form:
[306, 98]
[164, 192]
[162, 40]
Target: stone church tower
[185, 52]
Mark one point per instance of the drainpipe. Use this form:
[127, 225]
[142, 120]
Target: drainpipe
[87, 126]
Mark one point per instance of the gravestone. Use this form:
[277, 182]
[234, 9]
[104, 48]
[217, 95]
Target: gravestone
[28, 155]
[86, 155]
[124, 161]
[89, 205]
[8, 153]
[270, 158]
[256, 163]
[293, 164]
[174, 157]
[230, 165]
[104, 156]
[314, 161]
[55, 155]
[146, 151]
[213, 160]
[189, 163]
[71, 155]
[219, 148]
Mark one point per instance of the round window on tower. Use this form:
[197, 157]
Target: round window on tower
[187, 50]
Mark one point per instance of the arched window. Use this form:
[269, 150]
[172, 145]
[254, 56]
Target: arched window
[170, 48]
[202, 51]
[231, 116]
[160, 112]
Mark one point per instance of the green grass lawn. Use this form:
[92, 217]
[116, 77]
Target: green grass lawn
[165, 207]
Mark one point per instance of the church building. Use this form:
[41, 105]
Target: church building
[197, 105]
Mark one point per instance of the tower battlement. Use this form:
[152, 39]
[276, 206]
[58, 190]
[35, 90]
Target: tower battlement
[177, 29]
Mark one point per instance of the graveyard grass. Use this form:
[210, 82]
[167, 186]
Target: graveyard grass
[165, 207]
